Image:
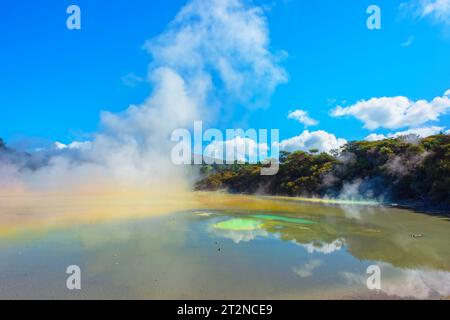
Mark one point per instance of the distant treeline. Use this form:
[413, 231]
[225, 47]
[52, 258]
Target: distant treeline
[404, 169]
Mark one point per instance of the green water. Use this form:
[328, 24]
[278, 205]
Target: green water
[271, 217]
[305, 250]
[238, 224]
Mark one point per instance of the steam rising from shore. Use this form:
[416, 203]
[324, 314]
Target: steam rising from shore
[212, 55]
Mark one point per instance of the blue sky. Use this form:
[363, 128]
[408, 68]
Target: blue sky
[54, 82]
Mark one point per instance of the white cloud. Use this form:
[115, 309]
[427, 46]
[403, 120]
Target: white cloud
[322, 247]
[438, 11]
[238, 236]
[416, 283]
[321, 140]
[245, 149]
[131, 80]
[73, 145]
[307, 269]
[395, 112]
[421, 132]
[408, 42]
[406, 283]
[302, 117]
[375, 137]
[59, 145]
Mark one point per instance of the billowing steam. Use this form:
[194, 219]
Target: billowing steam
[212, 55]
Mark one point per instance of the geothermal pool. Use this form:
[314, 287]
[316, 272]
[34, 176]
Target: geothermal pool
[207, 245]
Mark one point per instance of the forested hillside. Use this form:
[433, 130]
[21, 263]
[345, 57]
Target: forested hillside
[405, 169]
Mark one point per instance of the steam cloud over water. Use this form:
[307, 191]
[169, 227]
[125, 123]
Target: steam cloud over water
[213, 54]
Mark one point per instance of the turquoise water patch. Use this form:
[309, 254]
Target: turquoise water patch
[281, 218]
